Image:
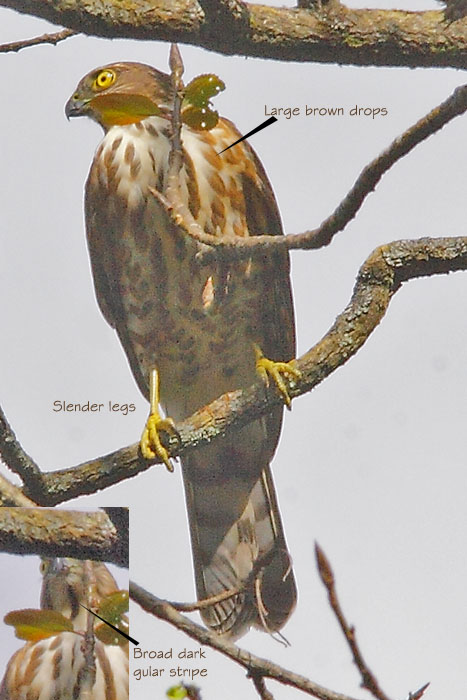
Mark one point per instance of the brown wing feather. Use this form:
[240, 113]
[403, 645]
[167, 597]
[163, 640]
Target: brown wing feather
[263, 217]
[277, 312]
[235, 523]
[98, 241]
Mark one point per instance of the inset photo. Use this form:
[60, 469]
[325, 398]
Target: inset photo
[64, 623]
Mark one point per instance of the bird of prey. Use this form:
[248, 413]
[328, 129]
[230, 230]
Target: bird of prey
[52, 668]
[207, 327]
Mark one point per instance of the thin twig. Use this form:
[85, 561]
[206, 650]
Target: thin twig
[193, 692]
[176, 73]
[206, 602]
[88, 674]
[327, 577]
[35, 41]
[254, 665]
[242, 247]
[418, 693]
[171, 198]
[260, 686]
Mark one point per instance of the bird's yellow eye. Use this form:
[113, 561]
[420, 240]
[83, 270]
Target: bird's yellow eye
[44, 566]
[104, 79]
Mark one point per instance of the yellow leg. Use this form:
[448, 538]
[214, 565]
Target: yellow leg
[276, 370]
[151, 446]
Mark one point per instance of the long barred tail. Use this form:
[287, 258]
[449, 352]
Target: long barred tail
[238, 542]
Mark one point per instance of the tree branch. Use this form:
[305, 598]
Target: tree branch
[43, 39]
[327, 577]
[378, 280]
[419, 693]
[237, 247]
[336, 35]
[257, 668]
[206, 602]
[231, 18]
[59, 533]
[260, 686]
[15, 457]
[254, 665]
[88, 677]
[120, 518]
[11, 495]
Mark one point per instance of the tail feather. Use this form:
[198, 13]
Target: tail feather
[238, 543]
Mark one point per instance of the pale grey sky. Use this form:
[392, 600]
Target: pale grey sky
[371, 464]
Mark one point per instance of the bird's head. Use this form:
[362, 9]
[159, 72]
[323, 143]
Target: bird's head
[65, 586]
[121, 93]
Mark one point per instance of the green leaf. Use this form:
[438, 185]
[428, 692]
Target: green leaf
[200, 118]
[202, 88]
[33, 625]
[112, 609]
[177, 692]
[113, 606]
[107, 635]
[197, 110]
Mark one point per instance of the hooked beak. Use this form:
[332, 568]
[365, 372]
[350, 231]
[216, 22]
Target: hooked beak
[76, 107]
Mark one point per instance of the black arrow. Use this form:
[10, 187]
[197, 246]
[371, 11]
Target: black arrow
[133, 641]
[268, 122]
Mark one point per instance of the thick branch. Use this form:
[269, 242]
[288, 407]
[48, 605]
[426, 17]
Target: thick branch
[254, 665]
[230, 18]
[339, 35]
[379, 278]
[120, 518]
[61, 533]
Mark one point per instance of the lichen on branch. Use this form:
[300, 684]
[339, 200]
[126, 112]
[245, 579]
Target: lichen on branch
[331, 34]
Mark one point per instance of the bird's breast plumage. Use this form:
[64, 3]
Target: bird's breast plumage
[170, 311]
[52, 669]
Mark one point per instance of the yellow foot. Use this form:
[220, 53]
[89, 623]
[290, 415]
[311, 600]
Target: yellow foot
[150, 443]
[276, 370]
